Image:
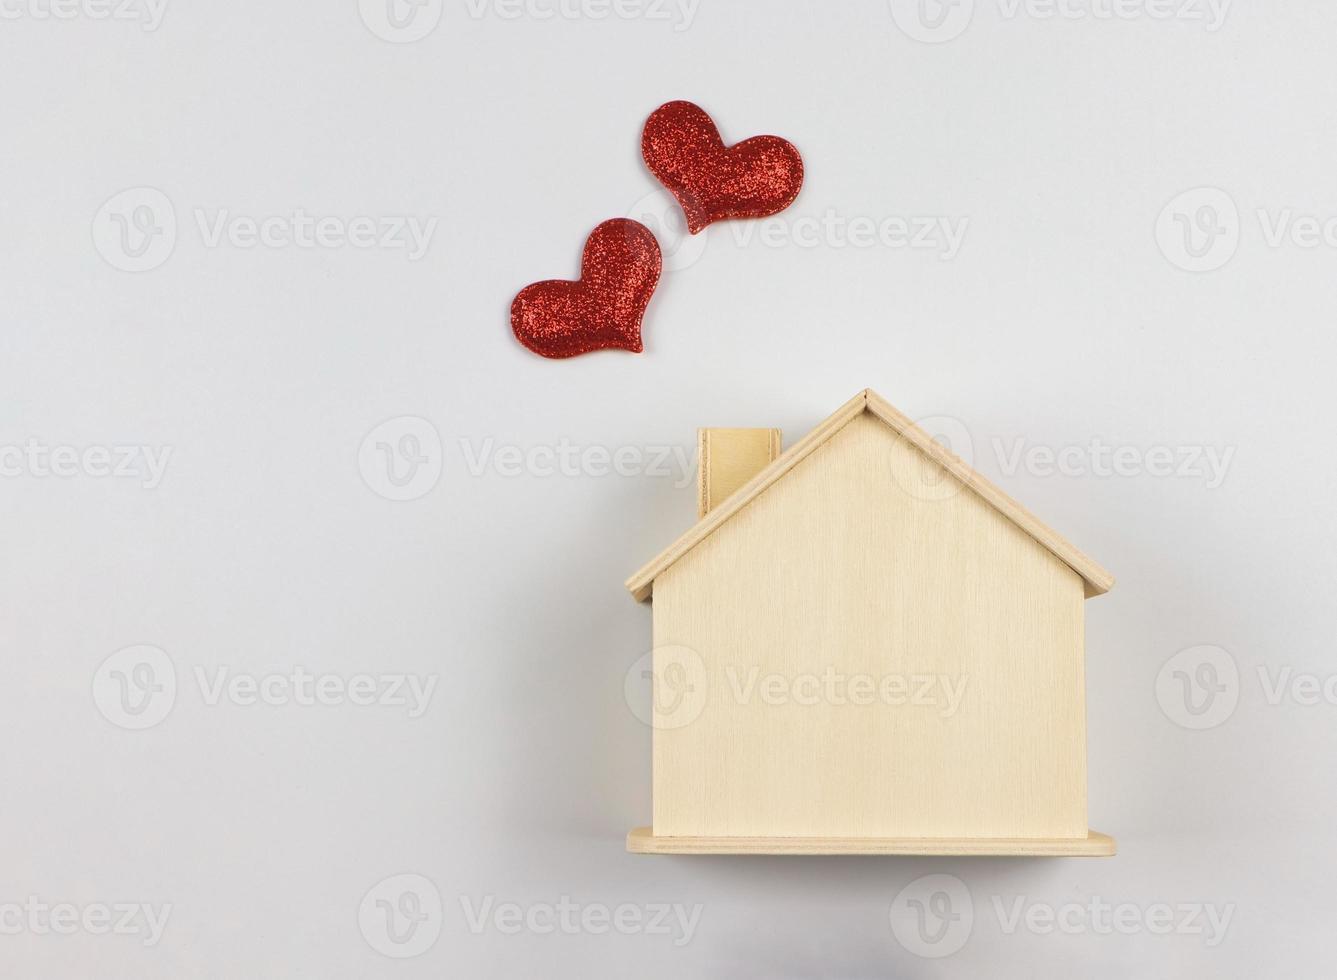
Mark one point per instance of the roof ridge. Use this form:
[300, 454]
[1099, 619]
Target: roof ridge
[1097, 580]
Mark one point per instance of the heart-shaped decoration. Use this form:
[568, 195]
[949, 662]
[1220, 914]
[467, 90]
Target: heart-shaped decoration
[618, 274]
[756, 178]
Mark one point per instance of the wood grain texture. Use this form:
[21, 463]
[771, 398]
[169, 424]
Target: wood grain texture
[727, 459]
[1097, 580]
[870, 560]
[1095, 844]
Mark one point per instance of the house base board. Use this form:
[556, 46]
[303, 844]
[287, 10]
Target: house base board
[642, 841]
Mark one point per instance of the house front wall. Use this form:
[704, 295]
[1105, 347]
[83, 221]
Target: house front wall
[869, 649]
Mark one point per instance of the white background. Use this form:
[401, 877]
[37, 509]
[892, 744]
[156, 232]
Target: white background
[269, 542]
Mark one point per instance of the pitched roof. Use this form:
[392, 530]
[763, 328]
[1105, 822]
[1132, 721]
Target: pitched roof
[1098, 581]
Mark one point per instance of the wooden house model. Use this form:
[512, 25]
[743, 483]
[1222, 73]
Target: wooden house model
[865, 647]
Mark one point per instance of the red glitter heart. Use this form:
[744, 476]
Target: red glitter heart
[603, 309]
[757, 177]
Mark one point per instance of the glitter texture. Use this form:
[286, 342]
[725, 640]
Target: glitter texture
[603, 309]
[757, 177]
